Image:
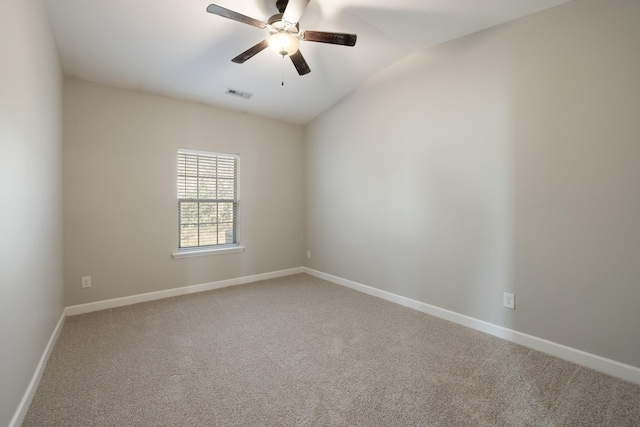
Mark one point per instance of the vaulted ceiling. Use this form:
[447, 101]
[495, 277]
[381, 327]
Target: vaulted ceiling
[177, 49]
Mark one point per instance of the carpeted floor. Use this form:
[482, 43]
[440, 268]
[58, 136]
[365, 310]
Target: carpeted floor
[299, 351]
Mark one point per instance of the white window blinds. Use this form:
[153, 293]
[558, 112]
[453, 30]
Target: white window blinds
[207, 199]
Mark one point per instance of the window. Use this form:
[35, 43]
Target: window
[207, 200]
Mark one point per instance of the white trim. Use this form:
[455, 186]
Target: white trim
[206, 252]
[208, 153]
[608, 366]
[151, 296]
[23, 407]
[598, 363]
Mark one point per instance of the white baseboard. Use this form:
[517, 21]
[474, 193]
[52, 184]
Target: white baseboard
[608, 366]
[592, 361]
[23, 407]
[151, 296]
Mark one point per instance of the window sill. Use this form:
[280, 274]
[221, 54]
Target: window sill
[207, 252]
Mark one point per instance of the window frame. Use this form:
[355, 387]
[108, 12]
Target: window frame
[202, 250]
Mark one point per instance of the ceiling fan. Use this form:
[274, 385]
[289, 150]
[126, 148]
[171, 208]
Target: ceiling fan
[284, 33]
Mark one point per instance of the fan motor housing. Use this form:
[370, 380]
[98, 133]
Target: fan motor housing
[275, 19]
[278, 24]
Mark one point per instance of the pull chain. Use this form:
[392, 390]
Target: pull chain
[282, 70]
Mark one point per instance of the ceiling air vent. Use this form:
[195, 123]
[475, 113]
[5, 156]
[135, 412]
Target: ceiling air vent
[241, 94]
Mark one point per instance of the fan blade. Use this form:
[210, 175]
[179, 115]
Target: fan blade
[226, 13]
[294, 10]
[251, 52]
[333, 38]
[300, 63]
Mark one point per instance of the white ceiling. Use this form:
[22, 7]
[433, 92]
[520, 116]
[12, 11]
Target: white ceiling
[175, 48]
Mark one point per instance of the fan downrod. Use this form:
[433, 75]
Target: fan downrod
[282, 5]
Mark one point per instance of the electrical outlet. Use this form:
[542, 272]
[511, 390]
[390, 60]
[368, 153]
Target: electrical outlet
[509, 300]
[309, 254]
[86, 282]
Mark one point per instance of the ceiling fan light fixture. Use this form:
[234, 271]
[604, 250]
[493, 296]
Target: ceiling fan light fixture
[283, 43]
[284, 33]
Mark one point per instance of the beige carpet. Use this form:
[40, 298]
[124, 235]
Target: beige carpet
[299, 351]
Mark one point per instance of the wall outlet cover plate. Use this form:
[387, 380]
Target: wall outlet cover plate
[509, 300]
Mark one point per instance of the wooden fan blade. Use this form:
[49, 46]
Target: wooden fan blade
[294, 10]
[251, 52]
[226, 13]
[300, 63]
[342, 39]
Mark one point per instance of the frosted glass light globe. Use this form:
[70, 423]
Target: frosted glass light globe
[283, 43]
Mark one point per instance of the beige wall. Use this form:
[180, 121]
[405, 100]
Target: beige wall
[120, 191]
[31, 291]
[506, 161]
